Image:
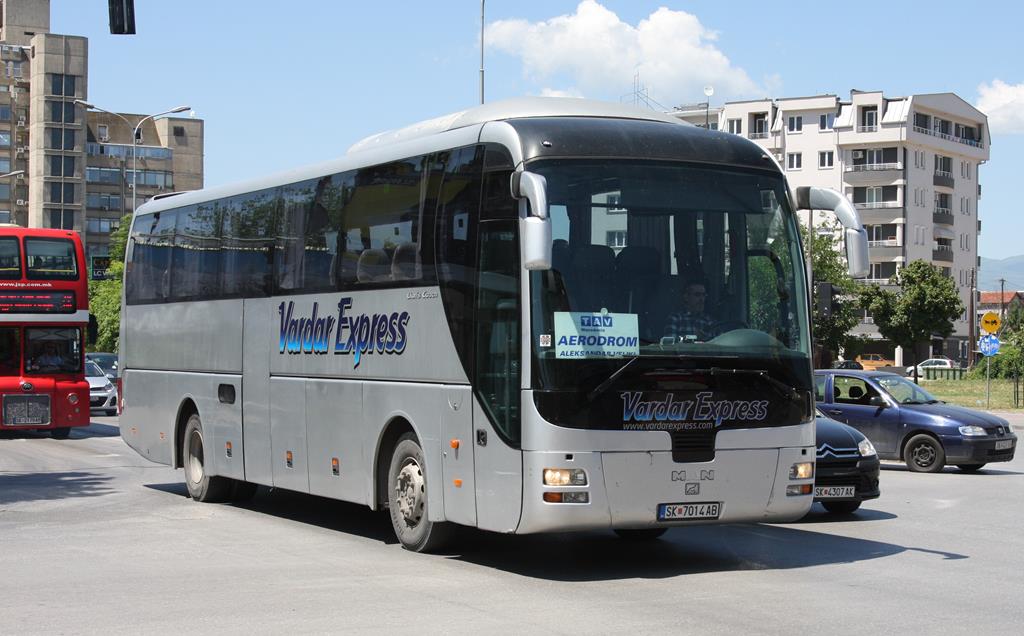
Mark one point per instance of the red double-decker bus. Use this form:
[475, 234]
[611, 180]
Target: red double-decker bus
[44, 323]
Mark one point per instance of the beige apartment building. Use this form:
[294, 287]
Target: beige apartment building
[72, 168]
[909, 164]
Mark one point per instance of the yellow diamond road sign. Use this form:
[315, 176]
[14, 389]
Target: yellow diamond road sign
[990, 322]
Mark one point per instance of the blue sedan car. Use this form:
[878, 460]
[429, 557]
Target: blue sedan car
[905, 422]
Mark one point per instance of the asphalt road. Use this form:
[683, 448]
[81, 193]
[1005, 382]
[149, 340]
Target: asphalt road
[95, 539]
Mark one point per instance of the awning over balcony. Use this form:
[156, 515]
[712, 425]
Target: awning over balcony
[943, 233]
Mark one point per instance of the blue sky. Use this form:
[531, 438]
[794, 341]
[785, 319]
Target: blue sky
[282, 84]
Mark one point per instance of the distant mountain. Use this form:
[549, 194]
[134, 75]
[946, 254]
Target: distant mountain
[992, 269]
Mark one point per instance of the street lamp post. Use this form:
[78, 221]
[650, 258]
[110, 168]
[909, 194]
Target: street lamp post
[135, 136]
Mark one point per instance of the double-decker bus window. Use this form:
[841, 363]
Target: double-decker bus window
[197, 253]
[53, 350]
[10, 350]
[10, 258]
[50, 259]
[249, 229]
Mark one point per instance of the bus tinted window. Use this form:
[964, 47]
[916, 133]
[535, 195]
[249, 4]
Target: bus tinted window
[10, 258]
[51, 259]
[249, 231]
[149, 277]
[197, 253]
[53, 349]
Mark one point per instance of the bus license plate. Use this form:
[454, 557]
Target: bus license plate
[1004, 444]
[834, 492]
[699, 510]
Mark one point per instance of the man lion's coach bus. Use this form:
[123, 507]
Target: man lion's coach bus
[44, 320]
[489, 319]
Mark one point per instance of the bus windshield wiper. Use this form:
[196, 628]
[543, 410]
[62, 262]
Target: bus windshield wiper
[601, 388]
[780, 387]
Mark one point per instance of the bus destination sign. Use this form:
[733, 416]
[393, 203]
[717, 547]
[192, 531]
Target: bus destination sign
[37, 302]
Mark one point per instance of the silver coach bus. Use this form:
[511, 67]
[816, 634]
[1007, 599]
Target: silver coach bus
[535, 315]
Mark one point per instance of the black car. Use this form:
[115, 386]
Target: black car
[848, 364]
[846, 472]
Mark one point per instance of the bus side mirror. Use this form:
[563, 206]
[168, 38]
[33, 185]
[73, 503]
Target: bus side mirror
[811, 198]
[92, 333]
[534, 224]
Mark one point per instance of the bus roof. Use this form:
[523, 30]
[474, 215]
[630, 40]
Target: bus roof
[463, 128]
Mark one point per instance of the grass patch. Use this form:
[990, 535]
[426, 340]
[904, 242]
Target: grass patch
[971, 393]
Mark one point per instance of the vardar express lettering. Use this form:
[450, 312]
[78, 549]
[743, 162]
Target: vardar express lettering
[702, 409]
[356, 334]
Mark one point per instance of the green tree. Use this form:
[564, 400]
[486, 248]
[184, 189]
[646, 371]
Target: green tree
[925, 304]
[832, 332]
[105, 295]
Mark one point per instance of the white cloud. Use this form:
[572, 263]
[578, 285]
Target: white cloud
[593, 52]
[1004, 105]
[557, 92]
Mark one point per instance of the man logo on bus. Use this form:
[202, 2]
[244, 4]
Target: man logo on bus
[596, 320]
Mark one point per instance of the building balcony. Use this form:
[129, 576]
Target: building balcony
[759, 135]
[943, 216]
[943, 179]
[943, 253]
[884, 243]
[874, 166]
[941, 135]
[867, 129]
[877, 205]
[885, 253]
[873, 174]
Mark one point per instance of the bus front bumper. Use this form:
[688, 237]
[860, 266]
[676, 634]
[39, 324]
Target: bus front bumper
[648, 489]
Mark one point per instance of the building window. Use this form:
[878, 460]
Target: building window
[179, 131]
[794, 160]
[5, 165]
[102, 226]
[825, 122]
[102, 201]
[616, 239]
[5, 192]
[103, 132]
[62, 84]
[826, 159]
[62, 112]
[61, 139]
[62, 192]
[13, 69]
[796, 123]
[5, 139]
[5, 113]
[62, 219]
[61, 166]
[5, 216]
[736, 126]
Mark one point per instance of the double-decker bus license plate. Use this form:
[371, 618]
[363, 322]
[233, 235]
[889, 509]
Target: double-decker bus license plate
[697, 510]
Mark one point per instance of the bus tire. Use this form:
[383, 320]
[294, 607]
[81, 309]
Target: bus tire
[407, 499]
[640, 534]
[60, 433]
[201, 485]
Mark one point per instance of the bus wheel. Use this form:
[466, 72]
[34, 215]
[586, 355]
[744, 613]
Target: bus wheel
[407, 499]
[242, 491]
[640, 534]
[201, 486]
[60, 433]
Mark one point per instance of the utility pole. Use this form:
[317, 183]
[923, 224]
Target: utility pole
[1002, 302]
[973, 318]
[482, 51]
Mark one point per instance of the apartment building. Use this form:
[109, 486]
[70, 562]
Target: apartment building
[909, 164]
[63, 166]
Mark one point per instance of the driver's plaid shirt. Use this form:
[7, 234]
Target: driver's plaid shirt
[683, 324]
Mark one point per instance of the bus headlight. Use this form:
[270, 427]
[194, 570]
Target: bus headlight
[565, 477]
[801, 470]
[72, 398]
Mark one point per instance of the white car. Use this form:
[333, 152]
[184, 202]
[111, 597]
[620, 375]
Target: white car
[102, 394]
[931, 363]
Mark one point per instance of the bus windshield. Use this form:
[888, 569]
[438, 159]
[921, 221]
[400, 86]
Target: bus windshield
[668, 262]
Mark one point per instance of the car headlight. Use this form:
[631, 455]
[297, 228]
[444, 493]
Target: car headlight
[972, 431]
[109, 387]
[866, 448]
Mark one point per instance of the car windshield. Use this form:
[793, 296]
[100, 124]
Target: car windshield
[904, 391]
[106, 361]
[667, 261]
[93, 370]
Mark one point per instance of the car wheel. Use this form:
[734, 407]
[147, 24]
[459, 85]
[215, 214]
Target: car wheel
[201, 485]
[969, 468]
[407, 499]
[841, 507]
[60, 433]
[924, 454]
[110, 412]
[640, 534]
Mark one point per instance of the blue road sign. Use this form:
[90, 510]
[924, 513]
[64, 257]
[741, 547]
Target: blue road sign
[988, 345]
